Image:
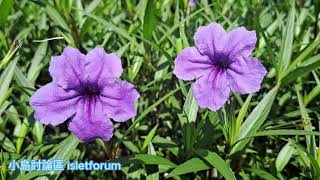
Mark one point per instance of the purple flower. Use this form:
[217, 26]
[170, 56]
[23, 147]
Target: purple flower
[86, 89]
[192, 2]
[220, 62]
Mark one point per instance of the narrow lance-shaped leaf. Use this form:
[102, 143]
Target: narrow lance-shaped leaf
[255, 119]
[303, 69]
[149, 109]
[263, 174]
[192, 165]
[241, 116]
[149, 138]
[5, 80]
[155, 173]
[217, 162]
[5, 8]
[6, 143]
[284, 156]
[314, 92]
[314, 164]
[57, 18]
[36, 61]
[188, 119]
[311, 142]
[304, 54]
[286, 50]
[153, 159]
[64, 153]
[150, 19]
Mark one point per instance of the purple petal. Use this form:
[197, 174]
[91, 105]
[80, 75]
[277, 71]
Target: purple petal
[210, 39]
[190, 64]
[238, 65]
[101, 66]
[118, 98]
[211, 91]
[245, 82]
[241, 42]
[67, 69]
[192, 2]
[90, 122]
[53, 105]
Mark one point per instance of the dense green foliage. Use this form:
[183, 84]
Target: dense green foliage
[272, 134]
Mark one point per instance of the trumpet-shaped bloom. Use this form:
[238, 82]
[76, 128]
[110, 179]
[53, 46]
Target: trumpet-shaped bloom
[86, 89]
[221, 62]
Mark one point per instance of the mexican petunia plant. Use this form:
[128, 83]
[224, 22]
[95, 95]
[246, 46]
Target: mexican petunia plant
[86, 89]
[221, 62]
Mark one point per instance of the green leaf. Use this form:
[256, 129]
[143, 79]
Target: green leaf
[150, 19]
[155, 173]
[188, 119]
[192, 165]
[128, 36]
[114, 28]
[315, 91]
[40, 53]
[263, 174]
[37, 132]
[5, 80]
[314, 163]
[286, 132]
[241, 115]
[92, 6]
[256, 118]
[190, 109]
[23, 130]
[149, 109]
[128, 144]
[5, 97]
[153, 159]
[311, 142]
[314, 45]
[284, 156]
[68, 146]
[64, 153]
[166, 144]
[5, 8]
[217, 162]
[6, 143]
[149, 138]
[302, 70]
[57, 18]
[286, 50]
[8, 57]
[177, 25]
[23, 81]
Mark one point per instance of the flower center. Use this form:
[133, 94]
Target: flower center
[221, 60]
[90, 90]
